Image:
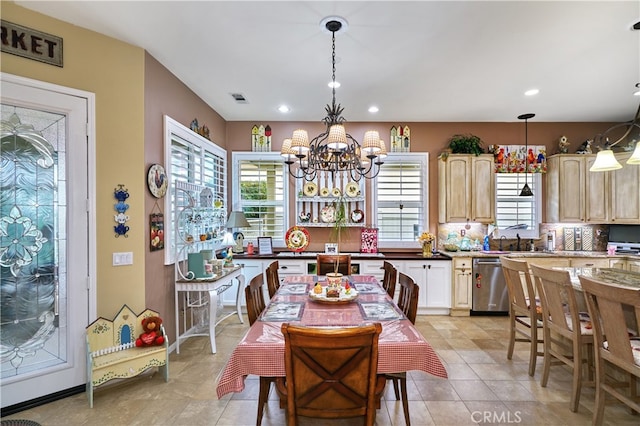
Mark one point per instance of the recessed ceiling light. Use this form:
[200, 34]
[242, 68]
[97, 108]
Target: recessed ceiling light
[332, 84]
[373, 109]
[531, 92]
[283, 108]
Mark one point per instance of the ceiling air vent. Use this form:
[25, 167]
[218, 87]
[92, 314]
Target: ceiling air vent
[239, 98]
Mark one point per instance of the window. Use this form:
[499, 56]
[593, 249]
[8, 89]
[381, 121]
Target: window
[190, 158]
[260, 191]
[515, 214]
[401, 198]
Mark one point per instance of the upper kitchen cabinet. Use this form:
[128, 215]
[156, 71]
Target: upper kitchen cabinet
[625, 192]
[466, 188]
[573, 193]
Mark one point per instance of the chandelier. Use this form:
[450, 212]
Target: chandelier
[334, 150]
[605, 159]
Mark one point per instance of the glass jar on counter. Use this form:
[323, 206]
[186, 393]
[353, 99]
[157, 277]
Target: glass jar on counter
[452, 244]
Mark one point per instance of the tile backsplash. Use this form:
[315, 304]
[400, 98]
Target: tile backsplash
[568, 237]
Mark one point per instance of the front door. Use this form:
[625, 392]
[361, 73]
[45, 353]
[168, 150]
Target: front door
[44, 239]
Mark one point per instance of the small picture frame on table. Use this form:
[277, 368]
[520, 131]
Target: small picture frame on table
[265, 245]
[331, 248]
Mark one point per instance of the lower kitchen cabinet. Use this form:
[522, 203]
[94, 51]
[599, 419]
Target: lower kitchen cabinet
[462, 290]
[434, 279]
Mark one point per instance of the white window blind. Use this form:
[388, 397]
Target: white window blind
[401, 198]
[259, 190]
[190, 158]
[515, 214]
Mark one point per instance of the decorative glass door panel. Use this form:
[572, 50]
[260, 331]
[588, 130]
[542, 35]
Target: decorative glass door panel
[41, 333]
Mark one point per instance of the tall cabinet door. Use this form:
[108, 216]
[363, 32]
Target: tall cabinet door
[625, 192]
[571, 191]
[596, 199]
[455, 188]
[483, 198]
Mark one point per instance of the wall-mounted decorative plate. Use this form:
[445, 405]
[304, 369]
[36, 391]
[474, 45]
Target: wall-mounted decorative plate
[297, 238]
[352, 189]
[157, 180]
[324, 192]
[328, 214]
[336, 192]
[310, 189]
[357, 216]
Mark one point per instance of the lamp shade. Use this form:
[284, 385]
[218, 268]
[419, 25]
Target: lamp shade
[371, 142]
[286, 150]
[300, 141]
[337, 138]
[605, 161]
[237, 220]
[228, 240]
[383, 150]
[635, 157]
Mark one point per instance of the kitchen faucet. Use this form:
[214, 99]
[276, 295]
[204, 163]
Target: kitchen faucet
[518, 244]
[502, 238]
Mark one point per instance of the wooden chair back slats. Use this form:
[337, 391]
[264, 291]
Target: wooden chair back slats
[331, 373]
[390, 278]
[254, 298]
[408, 298]
[608, 306]
[273, 279]
[327, 263]
[519, 285]
[557, 293]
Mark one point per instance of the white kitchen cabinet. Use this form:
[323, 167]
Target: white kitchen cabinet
[618, 263]
[371, 267]
[462, 290]
[434, 279]
[633, 265]
[250, 268]
[574, 194]
[466, 188]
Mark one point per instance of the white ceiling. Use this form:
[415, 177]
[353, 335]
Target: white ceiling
[417, 61]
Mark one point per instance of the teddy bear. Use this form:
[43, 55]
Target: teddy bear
[152, 335]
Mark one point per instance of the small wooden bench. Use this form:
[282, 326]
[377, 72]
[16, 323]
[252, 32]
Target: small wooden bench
[112, 351]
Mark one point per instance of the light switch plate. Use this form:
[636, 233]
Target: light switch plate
[123, 258]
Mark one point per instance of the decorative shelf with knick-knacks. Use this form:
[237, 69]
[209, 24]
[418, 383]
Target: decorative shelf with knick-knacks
[321, 202]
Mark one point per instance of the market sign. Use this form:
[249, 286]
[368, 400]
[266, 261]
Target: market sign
[31, 44]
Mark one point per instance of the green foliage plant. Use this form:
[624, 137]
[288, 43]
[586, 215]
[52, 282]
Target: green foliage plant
[466, 144]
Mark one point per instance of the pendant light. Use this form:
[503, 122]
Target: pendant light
[526, 191]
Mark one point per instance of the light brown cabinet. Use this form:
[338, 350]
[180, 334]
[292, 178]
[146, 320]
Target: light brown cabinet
[466, 188]
[461, 285]
[625, 192]
[573, 193]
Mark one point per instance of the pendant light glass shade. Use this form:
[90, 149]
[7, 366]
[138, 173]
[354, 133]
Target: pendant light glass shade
[605, 161]
[635, 157]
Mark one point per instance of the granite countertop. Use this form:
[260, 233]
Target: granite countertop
[387, 255]
[516, 254]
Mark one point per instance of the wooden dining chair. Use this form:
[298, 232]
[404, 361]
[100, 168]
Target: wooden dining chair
[273, 279]
[565, 329]
[408, 304]
[390, 278]
[607, 304]
[327, 263]
[525, 312]
[331, 372]
[254, 298]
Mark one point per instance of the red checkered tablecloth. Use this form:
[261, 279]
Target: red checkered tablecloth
[401, 347]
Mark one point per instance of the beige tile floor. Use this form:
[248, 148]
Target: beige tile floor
[483, 388]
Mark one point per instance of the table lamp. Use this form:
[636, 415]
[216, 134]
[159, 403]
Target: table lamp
[237, 219]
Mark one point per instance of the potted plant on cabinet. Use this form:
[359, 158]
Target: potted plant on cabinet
[466, 144]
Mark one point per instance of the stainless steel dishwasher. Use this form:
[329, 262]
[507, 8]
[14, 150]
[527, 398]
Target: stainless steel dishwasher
[490, 295]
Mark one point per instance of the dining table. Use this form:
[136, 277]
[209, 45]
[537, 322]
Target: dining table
[401, 347]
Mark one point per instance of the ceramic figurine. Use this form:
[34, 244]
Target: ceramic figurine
[585, 148]
[563, 145]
